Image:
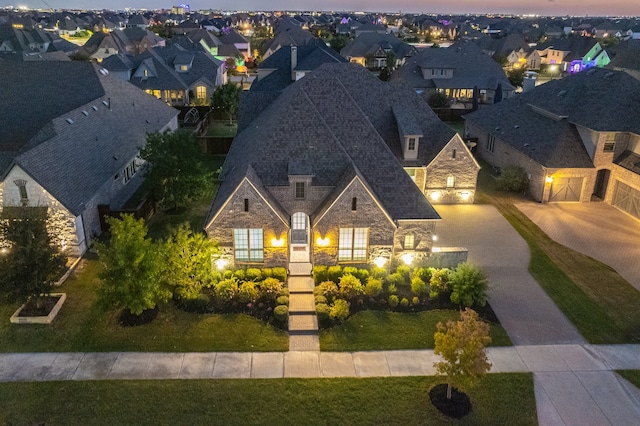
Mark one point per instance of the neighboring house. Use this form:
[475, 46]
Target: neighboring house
[177, 75]
[511, 47]
[335, 170]
[230, 37]
[371, 49]
[32, 42]
[137, 21]
[573, 54]
[286, 33]
[131, 41]
[626, 57]
[291, 63]
[576, 138]
[76, 147]
[456, 71]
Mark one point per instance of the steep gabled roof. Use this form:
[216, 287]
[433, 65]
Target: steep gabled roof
[368, 43]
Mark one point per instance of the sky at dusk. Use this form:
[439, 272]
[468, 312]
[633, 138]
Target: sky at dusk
[539, 7]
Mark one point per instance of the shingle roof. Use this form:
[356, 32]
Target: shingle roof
[597, 99]
[626, 55]
[72, 161]
[368, 43]
[324, 120]
[630, 161]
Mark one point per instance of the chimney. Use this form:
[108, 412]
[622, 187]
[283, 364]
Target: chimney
[294, 61]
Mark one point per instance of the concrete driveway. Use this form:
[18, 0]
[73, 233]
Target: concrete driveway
[526, 312]
[595, 229]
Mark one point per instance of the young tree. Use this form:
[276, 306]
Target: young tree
[173, 168]
[468, 285]
[32, 265]
[226, 99]
[438, 100]
[187, 261]
[132, 267]
[461, 345]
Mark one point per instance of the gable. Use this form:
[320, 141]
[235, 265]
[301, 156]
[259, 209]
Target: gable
[454, 156]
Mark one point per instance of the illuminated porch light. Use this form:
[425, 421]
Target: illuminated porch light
[4, 250]
[548, 179]
[323, 242]
[407, 258]
[434, 238]
[380, 261]
[435, 196]
[221, 263]
[465, 196]
[277, 242]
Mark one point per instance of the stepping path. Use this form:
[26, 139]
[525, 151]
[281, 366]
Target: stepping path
[303, 322]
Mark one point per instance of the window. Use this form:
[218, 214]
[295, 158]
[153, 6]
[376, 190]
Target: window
[411, 146]
[145, 73]
[453, 154]
[248, 245]
[491, 141]
[156, 93]
[352, 244]
[409, 240]
[246, 204]
[184, 68]
[451, 181]
[299, 190]
[412, 174]
[201, 92]
[354, 204]
[609, 146]
[22, 190]
[129, 171]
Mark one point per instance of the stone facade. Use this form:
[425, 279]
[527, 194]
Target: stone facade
[454, 162]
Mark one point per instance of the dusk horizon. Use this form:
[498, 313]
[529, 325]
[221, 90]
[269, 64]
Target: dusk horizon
[544, 8]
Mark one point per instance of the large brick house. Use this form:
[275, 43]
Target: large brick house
[69, 139]
[577, 138]
[335, 170]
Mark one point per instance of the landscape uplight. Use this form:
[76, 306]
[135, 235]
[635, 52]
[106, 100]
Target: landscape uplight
[380, 261]
[407, 258]
[221, 263]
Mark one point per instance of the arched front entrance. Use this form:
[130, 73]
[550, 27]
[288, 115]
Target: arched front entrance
[299, 238]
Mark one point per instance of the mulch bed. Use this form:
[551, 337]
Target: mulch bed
[128, 319]
[457, 407]
[39, 307]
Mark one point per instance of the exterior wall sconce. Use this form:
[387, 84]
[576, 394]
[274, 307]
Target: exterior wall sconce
[323, 242]
[435, 196]
[548, 179]
[465, 195]
[277, 242]
[380, 261]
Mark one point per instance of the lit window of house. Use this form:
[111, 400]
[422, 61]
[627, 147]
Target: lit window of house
[156, 93]
[201, 92]
[248, 245]
[145, 73]
[184, 68]
[412, 174]
[352, 244]
[451, 181]
[409, 241]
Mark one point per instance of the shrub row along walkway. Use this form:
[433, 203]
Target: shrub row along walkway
[565, 374]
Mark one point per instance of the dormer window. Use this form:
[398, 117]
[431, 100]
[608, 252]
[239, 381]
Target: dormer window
[145, 73]
[411, 144]
[300, 190]
[184, 68]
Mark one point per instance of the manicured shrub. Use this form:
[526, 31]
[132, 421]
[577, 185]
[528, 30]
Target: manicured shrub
[439, 283]
[228, 274]
[350, 270]
[319, 274]
[418, 287]
[239, 274]
[253, 274]
[363, 275]
[379, 273]
[393, 301]
[320, 299]
[423, 273]
[322, 311]
[392, 289]
[415, 301]
[334, 273]
[405, 271]
[468, 285]
[281, 313]
[279, 273]
[350, 287]
[198, 304]
[396, 279]
[328, 289]
[282, 300]
[404, 302]
[512, 178]
[247, 292]
[226, 290]
[373, 287]
[339, 310]
[270, 288]
[267, 273]
[283, 292]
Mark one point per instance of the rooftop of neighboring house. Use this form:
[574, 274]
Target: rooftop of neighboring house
[470, 66]
[85, 120]
[339, 120]
[626, 55]
[577, 46]
[543, 123]
[503, 46]
[287, 33]
[368, 43]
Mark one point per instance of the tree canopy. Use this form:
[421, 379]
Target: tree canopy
[32, 265]
[226, 99]
[132, 267]
[173, 170]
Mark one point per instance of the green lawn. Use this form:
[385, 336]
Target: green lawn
[384, 330]
[499, 399]
[631, 375]
[82, 326]
[458, 126]
[195, 214]
[222, 129]
[595, 298]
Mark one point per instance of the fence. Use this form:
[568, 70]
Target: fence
[144, 210]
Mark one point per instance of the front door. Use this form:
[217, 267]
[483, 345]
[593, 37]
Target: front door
[299, 238]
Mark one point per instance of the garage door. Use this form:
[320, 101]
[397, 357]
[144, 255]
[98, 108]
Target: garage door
[566, 189]
[627, 199]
